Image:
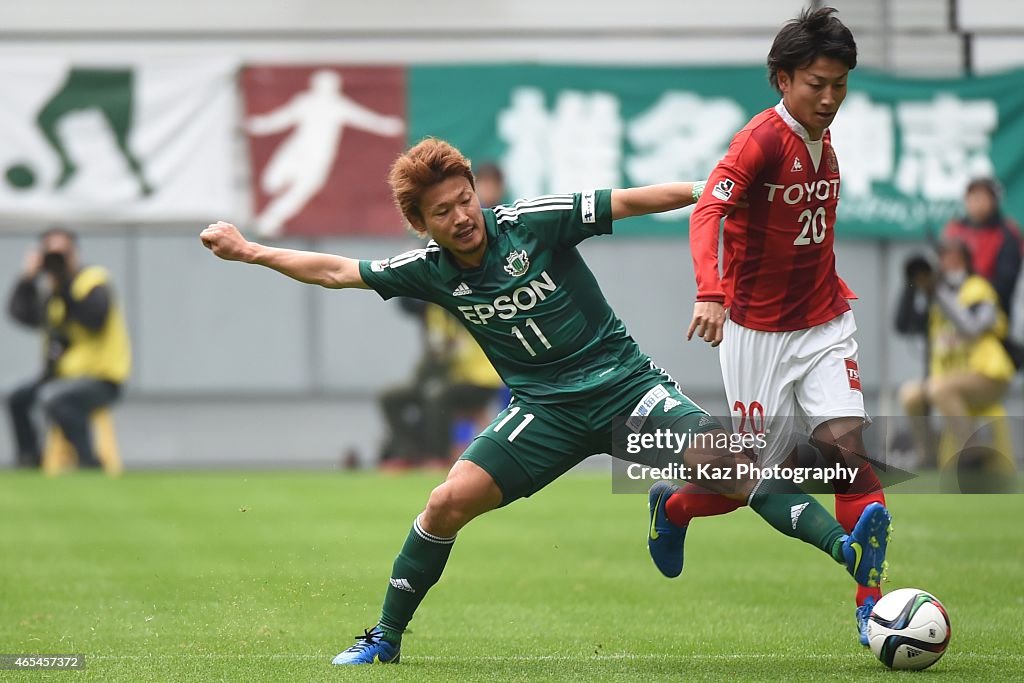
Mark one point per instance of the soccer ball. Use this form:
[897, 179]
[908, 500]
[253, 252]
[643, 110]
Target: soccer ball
[908, 629]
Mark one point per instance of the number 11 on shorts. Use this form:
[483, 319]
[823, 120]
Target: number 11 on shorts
[527, 419]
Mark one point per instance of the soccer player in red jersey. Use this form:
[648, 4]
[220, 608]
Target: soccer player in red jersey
[787, 341]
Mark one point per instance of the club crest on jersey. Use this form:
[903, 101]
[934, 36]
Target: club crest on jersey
[517, 263]
[833, 163]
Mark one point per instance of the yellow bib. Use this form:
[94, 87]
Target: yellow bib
[102, 354]
[952, 352]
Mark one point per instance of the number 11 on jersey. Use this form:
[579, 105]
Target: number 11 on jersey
[536, 330]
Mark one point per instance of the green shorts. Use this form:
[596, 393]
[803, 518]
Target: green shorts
[529, 445]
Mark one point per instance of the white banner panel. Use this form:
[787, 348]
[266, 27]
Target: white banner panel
[117, 142]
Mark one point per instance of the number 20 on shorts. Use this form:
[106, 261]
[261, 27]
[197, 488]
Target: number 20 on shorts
[751, 417]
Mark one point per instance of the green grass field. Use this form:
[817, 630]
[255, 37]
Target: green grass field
[265, 576]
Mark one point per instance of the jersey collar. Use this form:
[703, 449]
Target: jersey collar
[795, 125]
[446, 264]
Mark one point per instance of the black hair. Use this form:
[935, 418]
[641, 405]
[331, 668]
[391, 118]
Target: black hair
[917, 264]
[815, 33]
[991, 185]
[71, 235]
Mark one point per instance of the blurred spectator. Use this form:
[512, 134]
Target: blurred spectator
[454, 383]
[403, 406]
[470, 388]
[86, 349]
[454, 380]
[993, 239]
[969, 369]
[914, 302]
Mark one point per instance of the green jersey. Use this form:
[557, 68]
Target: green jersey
[533, 305]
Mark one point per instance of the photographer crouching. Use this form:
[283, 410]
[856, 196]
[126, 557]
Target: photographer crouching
[969, 369]
[85, 341]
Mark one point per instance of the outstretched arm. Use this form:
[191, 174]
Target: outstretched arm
[640, 201]
[326, 270]
[274, 121]
[369, 120]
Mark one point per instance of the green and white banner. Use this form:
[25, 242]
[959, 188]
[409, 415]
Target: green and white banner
[153, 141]
[146, 141]
[906, 147]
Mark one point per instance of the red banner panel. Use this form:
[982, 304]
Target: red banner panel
[321, 140]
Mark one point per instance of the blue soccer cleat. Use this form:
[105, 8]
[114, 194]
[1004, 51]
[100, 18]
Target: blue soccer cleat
[664, 540]
[864, 547]
[369, 647]
[863, 613]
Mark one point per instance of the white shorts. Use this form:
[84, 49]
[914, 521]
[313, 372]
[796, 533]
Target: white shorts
[786, 384]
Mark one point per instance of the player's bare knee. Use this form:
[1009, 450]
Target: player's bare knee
[443, 513]
[840, 430]
[451, 506]
[743, 485]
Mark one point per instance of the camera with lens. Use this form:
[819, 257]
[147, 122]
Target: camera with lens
[919, 272]
[916, 266]
[56, 264]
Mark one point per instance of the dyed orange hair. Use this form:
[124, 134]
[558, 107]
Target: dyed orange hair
[421, 167]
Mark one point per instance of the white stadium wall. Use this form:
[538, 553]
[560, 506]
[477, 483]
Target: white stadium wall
[439, 16]
[237, 365]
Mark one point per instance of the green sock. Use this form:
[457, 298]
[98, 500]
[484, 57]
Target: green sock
[416, 569]
[837, 551]
[783, 505]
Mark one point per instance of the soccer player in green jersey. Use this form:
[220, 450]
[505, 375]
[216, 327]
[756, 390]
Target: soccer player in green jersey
[515, 279]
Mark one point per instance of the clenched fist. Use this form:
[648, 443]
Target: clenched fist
[226, 242]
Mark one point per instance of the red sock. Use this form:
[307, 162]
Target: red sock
[866, 489]
[852, 499]
[693, 501]
[863, 592]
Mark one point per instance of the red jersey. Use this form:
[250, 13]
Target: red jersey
[779, 265]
